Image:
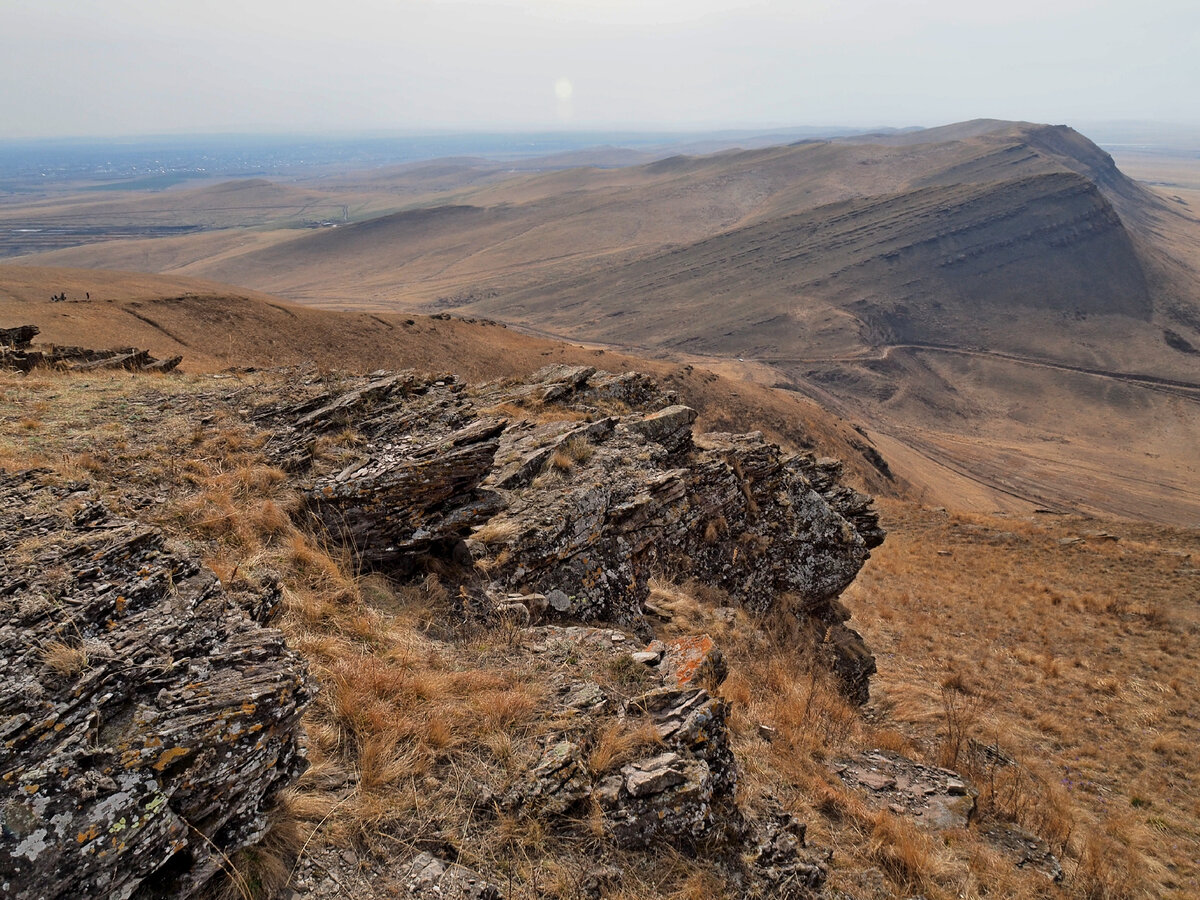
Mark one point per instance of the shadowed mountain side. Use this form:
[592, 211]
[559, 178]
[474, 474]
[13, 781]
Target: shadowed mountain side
[940, 264]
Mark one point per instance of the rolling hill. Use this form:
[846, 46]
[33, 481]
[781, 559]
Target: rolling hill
[993, 298]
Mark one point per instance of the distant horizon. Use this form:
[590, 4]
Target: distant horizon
[647, 132]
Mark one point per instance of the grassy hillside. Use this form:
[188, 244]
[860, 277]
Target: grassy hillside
[1048, 658]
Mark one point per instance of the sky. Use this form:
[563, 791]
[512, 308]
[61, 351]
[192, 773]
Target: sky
[124, 67]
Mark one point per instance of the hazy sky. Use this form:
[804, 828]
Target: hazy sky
[91, 67]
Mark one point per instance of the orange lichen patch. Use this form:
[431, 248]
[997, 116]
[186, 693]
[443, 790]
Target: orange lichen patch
[692, 658]
[84, 836]
[169, 756]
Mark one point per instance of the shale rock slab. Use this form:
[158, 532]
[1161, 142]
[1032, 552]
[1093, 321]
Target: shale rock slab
[146, 721]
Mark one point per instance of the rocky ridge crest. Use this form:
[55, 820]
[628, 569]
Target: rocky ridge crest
[573, 489]
[149, 718]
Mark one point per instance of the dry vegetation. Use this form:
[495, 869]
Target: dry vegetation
[1069, 646]
[1073, 660]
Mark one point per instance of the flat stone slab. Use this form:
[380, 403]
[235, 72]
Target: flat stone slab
[937, 799]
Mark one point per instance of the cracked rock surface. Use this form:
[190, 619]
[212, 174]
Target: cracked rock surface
[146, 721]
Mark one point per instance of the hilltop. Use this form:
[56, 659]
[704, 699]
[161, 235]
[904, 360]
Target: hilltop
[564, 643]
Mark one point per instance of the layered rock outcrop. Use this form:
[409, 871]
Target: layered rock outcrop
[18, 352]
[577, 486]
[146, 720]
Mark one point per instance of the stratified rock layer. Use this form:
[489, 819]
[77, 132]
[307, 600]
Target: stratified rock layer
[145, 720]
[586, 484]
[17, 352]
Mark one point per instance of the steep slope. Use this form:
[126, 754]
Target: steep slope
[938, 264]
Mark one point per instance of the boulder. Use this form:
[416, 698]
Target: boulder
[557, 783]
[782, 865]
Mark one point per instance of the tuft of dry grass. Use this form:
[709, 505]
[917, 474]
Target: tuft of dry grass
[904, 852]
[619, 742]
[65, 659]
[496, 531]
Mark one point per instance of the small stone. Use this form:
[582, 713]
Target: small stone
[652, 776]
[876, 781]
[558, 601]
[608, 791]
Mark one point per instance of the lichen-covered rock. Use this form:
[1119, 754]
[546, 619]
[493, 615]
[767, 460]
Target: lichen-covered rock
[580, 485]
[733, 511]
[850, 661]
[555, 784]
[781, 864]
[405, 499]
[691, 660]
[664, 797]
[145, 720]
[693, 721]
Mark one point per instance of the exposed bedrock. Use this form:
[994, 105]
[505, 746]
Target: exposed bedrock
[146, 721]
[579, 486]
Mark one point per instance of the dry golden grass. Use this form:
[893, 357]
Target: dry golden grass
[619, 743]
[1068, 652]
[496, 531]
[65, 659]
[1075, 660]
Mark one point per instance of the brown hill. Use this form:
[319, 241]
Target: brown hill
[215, 326]
[994, 297]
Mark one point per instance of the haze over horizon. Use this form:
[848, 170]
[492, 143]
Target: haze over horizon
[136, 67]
